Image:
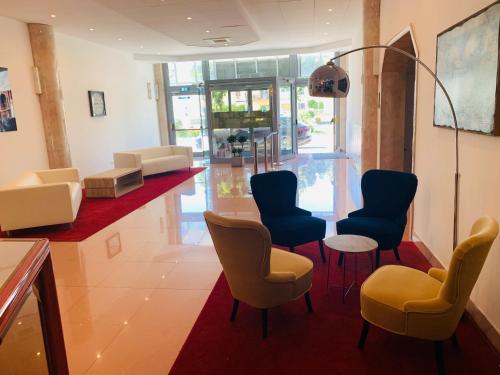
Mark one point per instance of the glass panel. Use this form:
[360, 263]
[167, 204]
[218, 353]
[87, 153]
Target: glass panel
[222, 148]
[239, 101]
[246, 68]
[286, 128]
[190, 116]
[260, 100]
[185, 72]
[284, 66]
[315, 128]
[23, 350]
[220, 101]
[190, 138]
[267, 67]
[308, 63]
[225, 69]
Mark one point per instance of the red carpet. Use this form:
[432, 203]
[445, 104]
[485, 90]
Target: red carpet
[97, 213]
[323, 342]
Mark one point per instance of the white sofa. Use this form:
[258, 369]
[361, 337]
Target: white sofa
[40, 198]
[155, 160]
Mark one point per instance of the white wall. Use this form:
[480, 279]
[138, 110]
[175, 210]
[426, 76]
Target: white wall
[131, 119]
[25, 148]
[434, 151]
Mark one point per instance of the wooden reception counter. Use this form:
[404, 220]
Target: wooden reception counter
[31, 337]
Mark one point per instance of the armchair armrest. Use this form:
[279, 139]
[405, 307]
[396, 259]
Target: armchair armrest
[437, 273]
[127, 160]
[428, 306]
[281, 277]
[59, 175]
[183, 150]
[31, 206]
[358, 213]
[301, 212]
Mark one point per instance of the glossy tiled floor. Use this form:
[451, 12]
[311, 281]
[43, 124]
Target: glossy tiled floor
[130, 294]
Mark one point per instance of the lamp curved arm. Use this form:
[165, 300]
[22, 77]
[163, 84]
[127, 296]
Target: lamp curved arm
[429, 70]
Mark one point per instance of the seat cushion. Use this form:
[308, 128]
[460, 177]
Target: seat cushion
[295, 230]
[385, 292]
[164, 164]
[385, 232]
[302, 267]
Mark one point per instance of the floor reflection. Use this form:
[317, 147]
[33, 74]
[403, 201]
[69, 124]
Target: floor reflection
[149, 273]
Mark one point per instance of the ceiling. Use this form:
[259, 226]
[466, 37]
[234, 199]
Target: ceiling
[186, 27]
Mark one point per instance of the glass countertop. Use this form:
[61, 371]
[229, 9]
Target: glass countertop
[11, 255]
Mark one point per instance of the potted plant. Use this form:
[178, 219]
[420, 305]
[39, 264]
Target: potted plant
[237, 160]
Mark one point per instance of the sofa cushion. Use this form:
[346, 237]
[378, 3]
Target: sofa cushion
[164, 164]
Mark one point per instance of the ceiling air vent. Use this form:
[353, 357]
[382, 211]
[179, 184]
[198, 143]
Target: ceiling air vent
[218, 41]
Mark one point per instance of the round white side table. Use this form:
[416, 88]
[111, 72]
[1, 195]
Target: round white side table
[349, 243]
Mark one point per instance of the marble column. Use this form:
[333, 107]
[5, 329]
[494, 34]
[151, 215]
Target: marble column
[44, 58]
[161, 104]
[371, 35]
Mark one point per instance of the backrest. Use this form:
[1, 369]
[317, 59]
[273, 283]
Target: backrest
[244, 250]
[388, 194]
[274, 192]
[154, 152]
[466, 263]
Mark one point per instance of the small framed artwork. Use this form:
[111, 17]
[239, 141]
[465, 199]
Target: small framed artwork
[7, 116]
[468, 64]
[97, 103]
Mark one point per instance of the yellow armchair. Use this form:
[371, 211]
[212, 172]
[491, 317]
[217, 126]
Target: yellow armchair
[429, 305]
[257, 274]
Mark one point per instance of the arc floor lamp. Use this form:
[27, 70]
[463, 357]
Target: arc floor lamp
[331, 81]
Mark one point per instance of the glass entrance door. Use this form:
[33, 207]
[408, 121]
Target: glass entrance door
[287, 135]
[188, 119]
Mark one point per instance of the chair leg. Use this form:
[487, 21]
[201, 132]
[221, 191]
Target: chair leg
[322, 250]
[236, 303]
[264, 323]
[438, 346]
[341, 259]
[396, 254]
[292, 249]
[364, 334]
[454, 340]
[377, 258]
[307, 297]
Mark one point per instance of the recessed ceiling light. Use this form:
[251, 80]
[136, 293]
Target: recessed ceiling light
[325, 33]
[91, 29]
[189, 18]
[207, 31]
[53, 16]
[141, 47]
[226, 44]
[119, 38]
[327, 23]
[330, 9]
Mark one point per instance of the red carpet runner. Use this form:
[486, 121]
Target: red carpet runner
[97, 213]
[323, 342]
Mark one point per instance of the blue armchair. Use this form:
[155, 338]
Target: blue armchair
[387, 195]
[275, 194]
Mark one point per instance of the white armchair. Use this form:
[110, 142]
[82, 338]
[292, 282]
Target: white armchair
[40, 198]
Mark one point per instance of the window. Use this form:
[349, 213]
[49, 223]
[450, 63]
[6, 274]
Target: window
[220, 101]
[246, 68]
[309, 62]
[185, 73]
[250, 67]
[239, 101]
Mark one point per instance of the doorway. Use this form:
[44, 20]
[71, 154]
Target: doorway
[397, 107]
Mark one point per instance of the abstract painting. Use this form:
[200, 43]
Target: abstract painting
[7, 116]
[467, 64]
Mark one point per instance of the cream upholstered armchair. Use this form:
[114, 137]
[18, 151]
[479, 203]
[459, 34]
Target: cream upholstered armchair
[257, 274]
[40, 198]
[429, 305]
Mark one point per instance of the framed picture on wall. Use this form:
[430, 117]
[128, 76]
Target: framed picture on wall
[467, 63]
[97, 103]
[7, 116]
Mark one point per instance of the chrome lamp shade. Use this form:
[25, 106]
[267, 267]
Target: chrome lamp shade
[329, 81]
